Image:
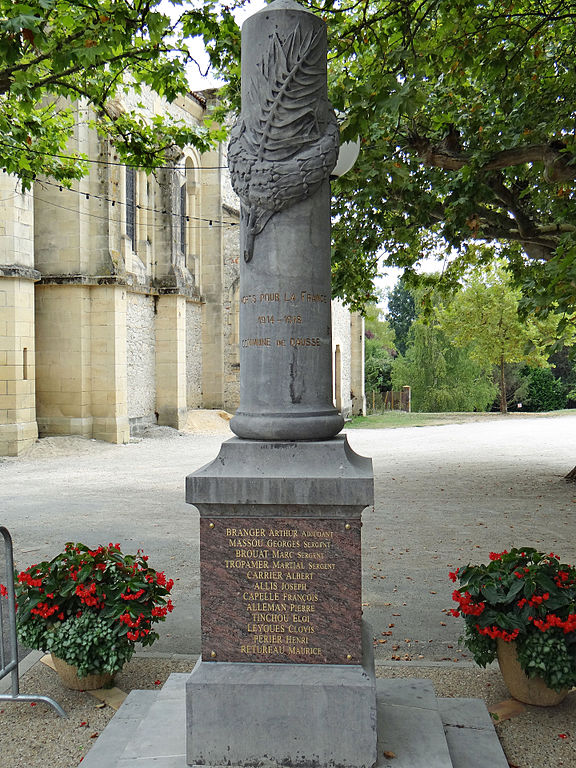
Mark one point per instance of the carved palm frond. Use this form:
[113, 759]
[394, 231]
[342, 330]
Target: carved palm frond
[290, 85]
[289, 144]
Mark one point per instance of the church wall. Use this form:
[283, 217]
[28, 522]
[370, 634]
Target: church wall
[141, 353]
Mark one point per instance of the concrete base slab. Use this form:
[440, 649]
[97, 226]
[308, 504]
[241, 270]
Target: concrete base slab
[281, 714]
[470, 734]
[415, 730]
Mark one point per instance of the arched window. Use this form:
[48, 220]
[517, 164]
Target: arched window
[130, 191]
[190, 224]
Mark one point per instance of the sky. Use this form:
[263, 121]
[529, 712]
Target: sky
[197, 82]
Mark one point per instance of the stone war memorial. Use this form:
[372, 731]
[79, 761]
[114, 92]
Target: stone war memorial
[286, 675]
[283, 661]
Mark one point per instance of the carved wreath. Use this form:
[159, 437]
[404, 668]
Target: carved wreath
[284, 154]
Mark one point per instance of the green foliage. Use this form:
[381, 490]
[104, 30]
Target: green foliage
[91, 644]
[442, 377]
[466, 115]
[379, 350]
[55, 52]
[524, 596]
[401, 314]
[115, 598]
[377, 366]
[542, 391]
[484, 317]
[550, 658]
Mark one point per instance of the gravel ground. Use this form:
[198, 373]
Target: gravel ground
[36, 737]
[445, 496]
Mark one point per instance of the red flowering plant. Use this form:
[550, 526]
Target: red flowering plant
[524, 596]
[90, 607]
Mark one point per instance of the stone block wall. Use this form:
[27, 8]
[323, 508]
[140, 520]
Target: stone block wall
[194, 354]
[100, 331]
[141, 358]
[18, 427]
[341, 359]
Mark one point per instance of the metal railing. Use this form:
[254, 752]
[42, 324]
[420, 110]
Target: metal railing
[9, 657]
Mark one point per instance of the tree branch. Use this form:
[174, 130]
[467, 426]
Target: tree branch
[559, 165]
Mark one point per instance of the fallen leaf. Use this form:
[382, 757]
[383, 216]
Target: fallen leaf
[507, 709]
[389, 755]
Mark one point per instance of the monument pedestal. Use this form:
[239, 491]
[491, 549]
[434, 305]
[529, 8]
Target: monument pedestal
[282, 714]
[285, 677]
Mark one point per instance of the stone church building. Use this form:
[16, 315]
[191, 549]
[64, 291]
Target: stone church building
[119, 297]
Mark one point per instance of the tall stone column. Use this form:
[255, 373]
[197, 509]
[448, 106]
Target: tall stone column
[285, 662]
[281, 153]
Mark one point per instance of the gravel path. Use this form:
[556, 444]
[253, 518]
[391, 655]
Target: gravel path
[445, 496]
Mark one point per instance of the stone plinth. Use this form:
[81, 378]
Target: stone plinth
[282, 714]
[306, 478]
[284, 663]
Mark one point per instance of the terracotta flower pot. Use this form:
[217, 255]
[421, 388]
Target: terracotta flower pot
[529, 690]
[68, 674]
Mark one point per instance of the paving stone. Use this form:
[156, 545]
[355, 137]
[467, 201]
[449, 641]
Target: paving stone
[120, 730]
[415, 729]
[470, 734]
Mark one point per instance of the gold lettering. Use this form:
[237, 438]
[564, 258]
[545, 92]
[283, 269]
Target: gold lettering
[304, 342]
[262, 575]
[243, 564]
[255, 343]
[247, 553]
[266, 628]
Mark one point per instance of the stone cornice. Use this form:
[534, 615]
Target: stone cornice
[168, 286]
[19, 272]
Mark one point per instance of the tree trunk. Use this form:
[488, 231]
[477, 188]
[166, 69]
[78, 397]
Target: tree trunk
[503, 402]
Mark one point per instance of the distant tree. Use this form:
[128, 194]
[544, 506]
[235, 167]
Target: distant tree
[541, 390]
[377, 367]
[401, 314]
[380, 350]
[483, 317]
[564, 363]
[442, 376]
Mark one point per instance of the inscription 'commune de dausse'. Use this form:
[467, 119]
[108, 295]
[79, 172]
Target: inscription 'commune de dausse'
[280, 599]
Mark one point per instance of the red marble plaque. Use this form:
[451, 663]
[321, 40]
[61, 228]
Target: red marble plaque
[281, 590]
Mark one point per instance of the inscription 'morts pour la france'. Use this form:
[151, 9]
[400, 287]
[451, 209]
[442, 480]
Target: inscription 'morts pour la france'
[280, 590]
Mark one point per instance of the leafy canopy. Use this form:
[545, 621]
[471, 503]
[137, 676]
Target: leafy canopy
[467, 118]
[54, 52]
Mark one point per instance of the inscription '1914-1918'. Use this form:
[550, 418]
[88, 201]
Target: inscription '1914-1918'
[290, 591]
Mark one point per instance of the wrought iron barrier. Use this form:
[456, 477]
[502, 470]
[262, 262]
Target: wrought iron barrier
[9, 650]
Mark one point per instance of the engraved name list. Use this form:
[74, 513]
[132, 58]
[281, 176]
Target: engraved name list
[289, 589]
